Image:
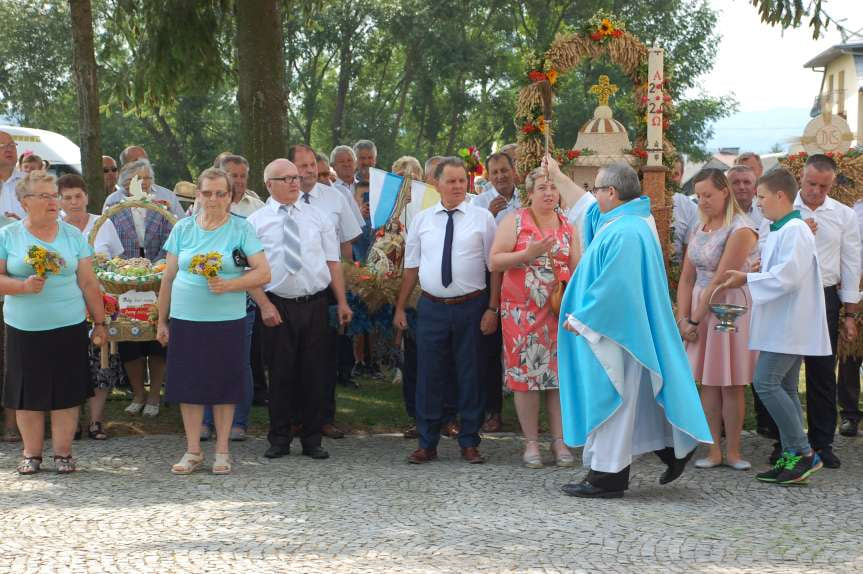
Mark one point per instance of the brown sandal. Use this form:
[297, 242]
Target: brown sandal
[96, 432]
[29, 465]
[65, 464]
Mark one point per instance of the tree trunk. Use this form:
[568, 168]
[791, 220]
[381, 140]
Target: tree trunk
[87, 84]
[261, 79]
[346, 63]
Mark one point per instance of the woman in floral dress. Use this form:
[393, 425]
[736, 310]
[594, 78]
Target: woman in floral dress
[521, 249]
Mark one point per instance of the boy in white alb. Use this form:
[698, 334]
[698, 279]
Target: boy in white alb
[788, 321]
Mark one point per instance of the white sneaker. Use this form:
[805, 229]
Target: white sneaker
[134, 408]
[151, 410]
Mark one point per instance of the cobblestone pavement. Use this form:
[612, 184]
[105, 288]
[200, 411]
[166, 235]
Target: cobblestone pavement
[366, 510]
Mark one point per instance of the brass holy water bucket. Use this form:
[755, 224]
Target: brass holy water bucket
[727, 313]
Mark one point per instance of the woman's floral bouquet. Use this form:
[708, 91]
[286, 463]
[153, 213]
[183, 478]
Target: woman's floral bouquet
[44, 261]
[207, 264]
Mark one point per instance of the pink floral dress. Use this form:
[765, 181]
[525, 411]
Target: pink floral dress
[528, 325]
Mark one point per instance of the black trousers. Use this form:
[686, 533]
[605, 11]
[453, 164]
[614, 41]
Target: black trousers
[620, 480]
[296, 354]
[849, 389]
[259, 371]
[341, 362]
[821, 381]
[491, 370]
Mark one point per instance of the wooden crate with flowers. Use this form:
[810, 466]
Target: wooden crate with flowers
[130, 286]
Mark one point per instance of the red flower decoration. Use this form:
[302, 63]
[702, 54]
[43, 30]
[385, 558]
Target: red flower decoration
[596, 36]
[617, 33]
[536, 76]
[572, 154]
[478, 169]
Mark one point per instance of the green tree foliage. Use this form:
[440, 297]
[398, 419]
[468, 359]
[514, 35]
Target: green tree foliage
[418, 78]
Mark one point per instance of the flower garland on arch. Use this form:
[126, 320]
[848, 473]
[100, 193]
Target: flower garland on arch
[603, 35]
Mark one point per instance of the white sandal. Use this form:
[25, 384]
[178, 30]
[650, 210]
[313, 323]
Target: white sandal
[532, 460]
[188, 464]
[565, 458]
[222, 464]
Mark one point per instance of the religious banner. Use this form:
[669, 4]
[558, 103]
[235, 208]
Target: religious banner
[655, 105]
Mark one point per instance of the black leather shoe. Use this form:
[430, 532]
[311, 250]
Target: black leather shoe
[586, 490]
[277, 451]
[316, 452]
[828, 457]
[675, 469]
[848, 427]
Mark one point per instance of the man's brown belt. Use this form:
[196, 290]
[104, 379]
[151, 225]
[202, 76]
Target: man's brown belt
[453, 300]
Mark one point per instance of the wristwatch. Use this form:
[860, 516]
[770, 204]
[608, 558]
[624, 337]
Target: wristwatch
[494, 310]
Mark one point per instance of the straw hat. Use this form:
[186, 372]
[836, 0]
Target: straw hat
[185, 190]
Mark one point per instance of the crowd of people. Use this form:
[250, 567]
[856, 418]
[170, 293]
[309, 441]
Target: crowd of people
[505, 275]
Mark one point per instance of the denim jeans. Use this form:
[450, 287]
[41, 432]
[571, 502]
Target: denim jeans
[776, 381]
[241, 411]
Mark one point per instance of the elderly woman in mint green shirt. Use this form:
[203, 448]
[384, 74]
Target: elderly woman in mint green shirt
[203, 315]
[46, 275]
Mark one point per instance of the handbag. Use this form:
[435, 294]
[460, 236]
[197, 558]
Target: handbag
[556, 296]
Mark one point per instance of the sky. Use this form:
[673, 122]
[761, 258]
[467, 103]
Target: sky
[762, 67]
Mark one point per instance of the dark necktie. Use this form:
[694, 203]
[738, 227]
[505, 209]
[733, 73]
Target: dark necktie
[446, 262]
[306, 197]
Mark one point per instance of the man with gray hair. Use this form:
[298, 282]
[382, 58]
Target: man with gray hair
[344, 162]
[10, 207]
[367, 156]
[625, 383]
[742, 180]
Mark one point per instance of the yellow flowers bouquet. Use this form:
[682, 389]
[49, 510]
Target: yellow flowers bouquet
[44, 261]
[206, 264]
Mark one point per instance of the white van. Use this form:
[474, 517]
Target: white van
[60, 152]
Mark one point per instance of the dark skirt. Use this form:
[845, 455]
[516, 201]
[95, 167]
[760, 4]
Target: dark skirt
[206, 362]
[47, 370]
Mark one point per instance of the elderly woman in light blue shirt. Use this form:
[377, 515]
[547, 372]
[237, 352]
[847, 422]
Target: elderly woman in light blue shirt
[204, 317]
[46, 330]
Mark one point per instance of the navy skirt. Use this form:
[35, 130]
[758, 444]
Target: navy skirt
[206, 362]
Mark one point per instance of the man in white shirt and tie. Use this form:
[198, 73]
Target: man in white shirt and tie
[302, 250]
[332, 202]
[837, 240]
[447, 249]
[500, 200]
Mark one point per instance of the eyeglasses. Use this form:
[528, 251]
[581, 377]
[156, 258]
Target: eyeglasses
[109, 169]
[10, 145]
[286, 179]
[44, 196]
[600, 187]
[218, 194]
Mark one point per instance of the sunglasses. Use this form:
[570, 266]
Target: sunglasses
[109, 169]
[218, 194]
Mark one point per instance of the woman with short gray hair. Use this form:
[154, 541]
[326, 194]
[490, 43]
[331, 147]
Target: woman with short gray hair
[46, 275]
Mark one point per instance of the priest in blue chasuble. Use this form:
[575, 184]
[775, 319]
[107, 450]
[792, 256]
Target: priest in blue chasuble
[625, 383]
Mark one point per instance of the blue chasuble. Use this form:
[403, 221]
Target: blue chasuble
[619, 291]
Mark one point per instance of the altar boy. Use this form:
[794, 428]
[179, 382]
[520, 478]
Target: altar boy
[788, 321]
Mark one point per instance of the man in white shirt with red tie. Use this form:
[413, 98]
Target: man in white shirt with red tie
[303, 252]
[837, 240]
[447, 249]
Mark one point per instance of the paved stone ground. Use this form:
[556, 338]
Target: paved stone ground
[366, 510]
